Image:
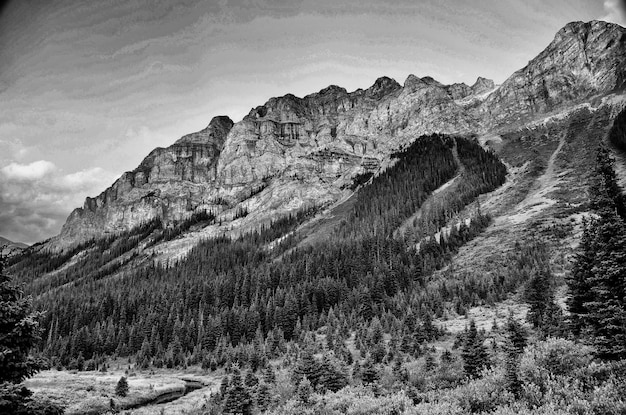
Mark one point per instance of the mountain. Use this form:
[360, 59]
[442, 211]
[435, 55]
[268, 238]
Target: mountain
[10, 248]
[291, 152]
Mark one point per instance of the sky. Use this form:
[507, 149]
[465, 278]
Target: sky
[89, 87]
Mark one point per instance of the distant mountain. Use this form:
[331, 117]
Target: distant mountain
[10, 248]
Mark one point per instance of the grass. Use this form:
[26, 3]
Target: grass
[94, 392]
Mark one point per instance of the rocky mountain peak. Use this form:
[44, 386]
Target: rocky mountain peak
[482, 85]
[414, 82]
[429, 80]
[382, 86]
[583, 60]
[215, 133]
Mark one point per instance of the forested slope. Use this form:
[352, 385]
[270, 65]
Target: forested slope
[232, 291]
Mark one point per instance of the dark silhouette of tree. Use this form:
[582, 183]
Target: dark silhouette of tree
[121, 389]
[238, 399]
[514, 346]
[475, 357]
[19, 331]
[600, 310]
[19, 326]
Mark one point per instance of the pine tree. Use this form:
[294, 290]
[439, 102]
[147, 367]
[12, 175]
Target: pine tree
[430, 362]
[579, 282]
[121, 389]
[514, 347]
[269, 376]
[331, 377]
[369, 373]
[263, 397]
[597, 286]
[307, 366]
[251, 381]
[19, 331]
[19, 326]
[305, 390]
[475, 357]
[238, 400]
[538, 294]
[516, 334]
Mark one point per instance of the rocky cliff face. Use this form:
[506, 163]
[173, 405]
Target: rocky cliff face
[293, 152]
[583, 60]
[170, 183]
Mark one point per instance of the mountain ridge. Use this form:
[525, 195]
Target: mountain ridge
[292, 153]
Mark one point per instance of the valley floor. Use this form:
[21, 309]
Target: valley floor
[150, 391]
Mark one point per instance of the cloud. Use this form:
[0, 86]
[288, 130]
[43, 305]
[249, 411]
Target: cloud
[615, 11]
[36, 170]
[35, 198]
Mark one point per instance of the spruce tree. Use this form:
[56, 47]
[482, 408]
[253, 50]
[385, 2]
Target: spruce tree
[598, 286]
[475, 357]
[369, 373]
[19, 326]
[538, 294]
[514, 347]
[579, 282]
[121, 389]
[263, 397]
[269, 376]
[19, 331]
[305, 390]
[307, 366]
[238, 400]
[331, 376]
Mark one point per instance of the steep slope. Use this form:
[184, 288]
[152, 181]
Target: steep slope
[292, 153]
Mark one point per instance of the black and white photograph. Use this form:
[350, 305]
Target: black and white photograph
[313, 207]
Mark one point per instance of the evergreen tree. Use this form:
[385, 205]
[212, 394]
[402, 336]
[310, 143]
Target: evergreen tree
[307, 366]
[269, 376]
[579, 282]
[514, 347]
[369, 373]
[19, 330]
[597, 286]
[331, 376]
[475, 357]
[538, 294]
[121, 389]
[305, 390]
[516, 334]
[238, 400]
[224, 384]
[263, 397]
[19, 326]
[251, 381]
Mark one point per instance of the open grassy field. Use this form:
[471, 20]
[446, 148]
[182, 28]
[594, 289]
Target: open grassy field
[157, 391]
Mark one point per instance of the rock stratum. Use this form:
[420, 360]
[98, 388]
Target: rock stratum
[292, 153]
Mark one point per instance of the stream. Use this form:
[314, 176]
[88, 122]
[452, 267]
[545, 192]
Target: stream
[190, 386]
